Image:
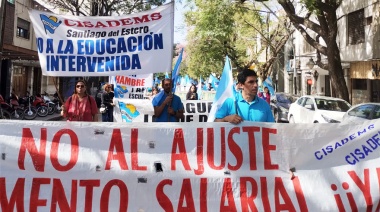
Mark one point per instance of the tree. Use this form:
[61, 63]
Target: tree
[102, 7]
[241, 31]
[327, 29]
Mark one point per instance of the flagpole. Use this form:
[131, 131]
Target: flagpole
[172, 37]
[236, 92]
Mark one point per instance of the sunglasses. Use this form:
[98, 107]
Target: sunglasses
[80, 86]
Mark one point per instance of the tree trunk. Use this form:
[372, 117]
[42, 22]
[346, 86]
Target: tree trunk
[336, 71]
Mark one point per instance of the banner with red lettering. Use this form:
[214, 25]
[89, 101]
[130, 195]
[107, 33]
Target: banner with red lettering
[131, 86]
[78, 166]
[139, 43]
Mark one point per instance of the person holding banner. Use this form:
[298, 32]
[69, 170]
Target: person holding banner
[247, 106]
[80, 106]
[107, 101]
[192, 94]
[168, 107]
[265, 95]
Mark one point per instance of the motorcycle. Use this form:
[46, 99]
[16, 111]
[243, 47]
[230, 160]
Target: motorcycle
[15, 111]
[42, 109]
[25, 103]
[4, 114]
[50, 104]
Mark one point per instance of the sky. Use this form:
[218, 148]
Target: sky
[179, 23]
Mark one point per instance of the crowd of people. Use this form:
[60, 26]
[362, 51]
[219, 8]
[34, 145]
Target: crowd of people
[248, 105]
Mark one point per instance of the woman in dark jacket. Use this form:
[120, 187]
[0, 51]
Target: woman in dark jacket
[107, 101]
[192, 94]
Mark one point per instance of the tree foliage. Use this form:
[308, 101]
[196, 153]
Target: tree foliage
[239, 30]
[325, 27]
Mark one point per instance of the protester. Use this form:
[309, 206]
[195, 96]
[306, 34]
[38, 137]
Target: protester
[107, 101]
[265, 95]
[247, 106]
[154, 93]
[80, 106]
[209, 87]
[168, 107]
[112, 93]
[192, 94]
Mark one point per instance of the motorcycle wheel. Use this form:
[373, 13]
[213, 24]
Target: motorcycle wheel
[17, 114]
[5, 115]
[58, 108]
[42, 111]
[52, 109]
[30, 114]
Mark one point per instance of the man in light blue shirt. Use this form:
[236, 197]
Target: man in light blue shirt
[247, 106]
[167, 106]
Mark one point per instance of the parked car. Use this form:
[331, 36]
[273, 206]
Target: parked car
[362, 112]
[280, 103]
[317, 109]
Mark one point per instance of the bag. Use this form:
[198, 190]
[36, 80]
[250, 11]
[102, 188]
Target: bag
[98, 99]
[102, 109]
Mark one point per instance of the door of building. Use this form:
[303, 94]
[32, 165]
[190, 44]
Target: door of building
[19, 80]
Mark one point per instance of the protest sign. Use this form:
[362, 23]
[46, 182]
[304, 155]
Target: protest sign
[195, 110]
[139, 43]
[71, 166]
[131, 86]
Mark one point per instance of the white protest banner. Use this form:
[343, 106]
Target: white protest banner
[139, 43]
[132, 86]
[81, 166]
[142, 110]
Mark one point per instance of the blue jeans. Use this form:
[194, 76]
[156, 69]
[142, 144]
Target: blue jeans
[108, 115]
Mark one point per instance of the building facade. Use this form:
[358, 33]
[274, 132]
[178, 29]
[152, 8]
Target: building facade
[359, 42]
[20, 68]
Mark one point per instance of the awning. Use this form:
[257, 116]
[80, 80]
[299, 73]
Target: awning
[18, 53]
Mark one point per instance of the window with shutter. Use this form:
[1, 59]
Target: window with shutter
[23, 28]
[355, 27]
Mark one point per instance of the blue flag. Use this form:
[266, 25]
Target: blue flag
[269, 83]
[175, 72]
[166, 75]
[225, 90]
[187, 81]
[157, 98]
[199, 90]
[156, 81]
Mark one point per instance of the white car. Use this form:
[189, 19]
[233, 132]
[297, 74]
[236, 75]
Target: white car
[362, 112]
[317, 109]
